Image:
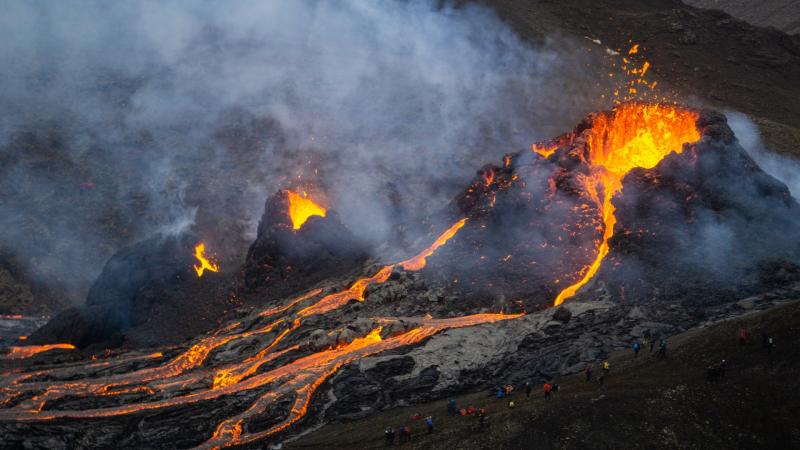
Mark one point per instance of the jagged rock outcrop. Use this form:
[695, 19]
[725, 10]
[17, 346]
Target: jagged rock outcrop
[145, 283]
[282, 260]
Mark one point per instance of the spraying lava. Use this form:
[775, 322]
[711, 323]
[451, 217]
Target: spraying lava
[632, 135]
[301, 207]
[205, 264]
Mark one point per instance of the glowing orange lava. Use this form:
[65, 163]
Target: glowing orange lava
[301, 207]
[633, 135]
[488, 177]
[544, 150]
[205, 264]
[30, 350]
[418, 262]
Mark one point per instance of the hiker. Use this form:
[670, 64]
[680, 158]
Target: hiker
[652, 344]
[547, 389]
[405, 434]
[555, 388]
[528, 389]
[662, 349]
[416, 416]
[388, 433]
[744, 334]
[86, 187]
[606, 368]
[429, 424]
[770, 344]
[462, 412]
[589, 369]
[500, 393]
[451, 407]
[471, 410]
[636, 348]
[722, 366]
[509, 388]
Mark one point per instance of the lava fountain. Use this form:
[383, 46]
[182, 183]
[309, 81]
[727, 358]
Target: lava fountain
[630, 136]
[301, 207]
[205, 264]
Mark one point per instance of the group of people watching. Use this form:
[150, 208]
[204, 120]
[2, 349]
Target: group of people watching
[482, 419]
[505, 392]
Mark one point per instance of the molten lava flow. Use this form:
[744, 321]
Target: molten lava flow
[193, 376]
[205, 264]
[301, 207]
[30, 350]
[418, 262]
[633, 135]
[354, 292]
[488, 176]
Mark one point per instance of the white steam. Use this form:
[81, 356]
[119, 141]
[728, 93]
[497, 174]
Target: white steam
[782, 167]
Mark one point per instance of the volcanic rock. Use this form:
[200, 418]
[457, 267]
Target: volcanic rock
[282, 260]
[562, 314]
[701, 221]
[706, 221]
[531, 228]
[141, 284]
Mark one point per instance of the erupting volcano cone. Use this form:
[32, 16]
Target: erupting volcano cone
[299, 243]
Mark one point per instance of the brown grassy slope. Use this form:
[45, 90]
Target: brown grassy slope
[645, 403]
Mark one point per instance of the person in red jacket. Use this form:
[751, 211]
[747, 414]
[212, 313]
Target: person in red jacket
[744, 334]
[405, 434]
[548, 388]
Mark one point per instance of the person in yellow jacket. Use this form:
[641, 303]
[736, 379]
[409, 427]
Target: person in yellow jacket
[606, 367]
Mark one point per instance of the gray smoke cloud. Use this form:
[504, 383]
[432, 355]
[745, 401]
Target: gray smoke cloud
[784, 168]
[124, 119]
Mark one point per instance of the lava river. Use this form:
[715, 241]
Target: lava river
[24, 396]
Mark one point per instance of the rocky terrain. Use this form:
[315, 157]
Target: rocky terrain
[644, 403]
[781, 14]
[648, 220]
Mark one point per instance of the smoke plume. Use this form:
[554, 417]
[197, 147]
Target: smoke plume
[121, 120]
